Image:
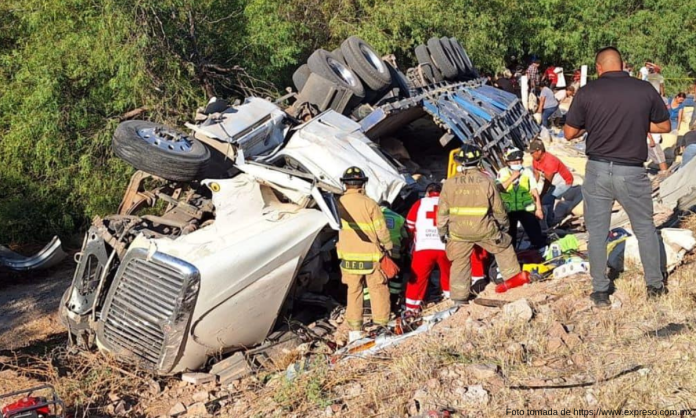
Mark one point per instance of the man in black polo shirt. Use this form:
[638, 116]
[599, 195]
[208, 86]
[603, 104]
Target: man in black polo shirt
[618, 111]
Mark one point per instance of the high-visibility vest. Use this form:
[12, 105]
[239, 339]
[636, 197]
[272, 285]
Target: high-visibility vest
[518, 197]
[395, 224]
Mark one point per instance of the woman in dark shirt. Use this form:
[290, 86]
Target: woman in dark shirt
[503, 82]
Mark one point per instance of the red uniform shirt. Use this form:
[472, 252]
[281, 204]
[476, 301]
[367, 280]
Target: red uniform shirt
[550, 165]
[551, 75]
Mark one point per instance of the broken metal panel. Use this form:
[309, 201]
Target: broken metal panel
[257, 126]
[326, 146]
[49, 256]
[678, 190]
[474, 113]
[92, 265]
[367, 347]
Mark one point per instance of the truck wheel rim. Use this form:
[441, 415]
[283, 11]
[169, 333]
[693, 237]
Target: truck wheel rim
[166, 140]
[342, 71]
[372, 58]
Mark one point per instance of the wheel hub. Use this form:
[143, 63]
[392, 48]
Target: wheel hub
[342, 71]
[372, 58]
[166, 140]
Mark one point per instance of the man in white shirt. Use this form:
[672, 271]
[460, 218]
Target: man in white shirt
[657, 81]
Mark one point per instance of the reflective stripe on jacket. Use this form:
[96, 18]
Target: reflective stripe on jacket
[397, 232]
[470, 208]
[363, 233]
[517, 197]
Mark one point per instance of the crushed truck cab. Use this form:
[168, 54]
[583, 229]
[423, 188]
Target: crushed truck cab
[226, 231]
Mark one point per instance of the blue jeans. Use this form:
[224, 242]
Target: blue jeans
[545, 114]
[689, 154]
[548, 201]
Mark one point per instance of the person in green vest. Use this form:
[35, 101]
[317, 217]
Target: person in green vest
[519, 192]
[397, 232]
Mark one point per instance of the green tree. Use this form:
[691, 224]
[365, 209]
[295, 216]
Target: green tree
[71, 69]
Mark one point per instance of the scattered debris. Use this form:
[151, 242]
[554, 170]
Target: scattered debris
[198, 378]
[369, 346]
[232, 368]
[49, 256]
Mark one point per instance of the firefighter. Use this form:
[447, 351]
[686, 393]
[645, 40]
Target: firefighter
[518, 189]
[470, 213]
[428, 250]
[362, 241]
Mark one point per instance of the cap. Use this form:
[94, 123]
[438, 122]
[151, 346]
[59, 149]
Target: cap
[536, 145]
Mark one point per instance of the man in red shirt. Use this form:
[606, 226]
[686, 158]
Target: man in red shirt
[559, 180]
[550, 74]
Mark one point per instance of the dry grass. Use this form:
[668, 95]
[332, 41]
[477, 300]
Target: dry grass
[84, 381]
[628, 357]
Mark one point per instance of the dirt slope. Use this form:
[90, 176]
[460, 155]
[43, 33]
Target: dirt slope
[481, 362]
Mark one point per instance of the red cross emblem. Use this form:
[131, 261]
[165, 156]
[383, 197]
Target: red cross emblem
[432, 215]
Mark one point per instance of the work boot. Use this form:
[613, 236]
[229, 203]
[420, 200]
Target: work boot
[656, 292]
[517, 280]
[601, 300]
[460, 302]
[355, 335]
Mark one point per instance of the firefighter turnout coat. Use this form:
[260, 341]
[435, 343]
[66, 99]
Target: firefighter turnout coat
[470, 208]
[363, 233]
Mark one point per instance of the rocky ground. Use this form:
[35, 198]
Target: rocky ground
[547, 349]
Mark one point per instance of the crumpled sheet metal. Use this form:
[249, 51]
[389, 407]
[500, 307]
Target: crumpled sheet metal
[381, 342]
[330, 143]
[676, 242]
[49, 256]
[678, 190]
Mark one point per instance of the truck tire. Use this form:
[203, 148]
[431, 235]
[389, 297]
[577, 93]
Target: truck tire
[325, 64]
[399, 80]
[300, 76]
[454, 56]
[432, 74]
[161, 151]
[441, 59]
[339, 56]
[459, 49]
[366, 62]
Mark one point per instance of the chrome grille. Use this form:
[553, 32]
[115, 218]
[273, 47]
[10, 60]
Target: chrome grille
[145, 303]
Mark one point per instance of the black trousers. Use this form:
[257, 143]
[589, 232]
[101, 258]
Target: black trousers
[531, 226]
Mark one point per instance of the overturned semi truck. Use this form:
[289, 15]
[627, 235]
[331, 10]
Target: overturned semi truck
[228, 230]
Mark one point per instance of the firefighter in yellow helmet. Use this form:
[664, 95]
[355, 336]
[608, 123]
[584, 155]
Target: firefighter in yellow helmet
[362, 241]
[471, 212]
